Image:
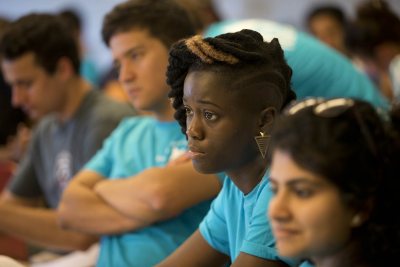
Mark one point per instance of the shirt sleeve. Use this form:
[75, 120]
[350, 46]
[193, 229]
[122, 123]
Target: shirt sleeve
[213, 227]
[25, 181]
[102, 161]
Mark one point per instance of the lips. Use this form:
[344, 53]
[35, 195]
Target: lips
[283, 233]
[195, 152]
[133, 92]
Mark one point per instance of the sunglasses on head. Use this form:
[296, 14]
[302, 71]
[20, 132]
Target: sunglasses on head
[333, 108]
[322, 107]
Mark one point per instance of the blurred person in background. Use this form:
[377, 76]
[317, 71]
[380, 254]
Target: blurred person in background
[374, 36]
[328, 24]
[40, 61]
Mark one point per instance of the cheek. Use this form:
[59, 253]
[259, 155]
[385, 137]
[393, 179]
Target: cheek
[154, 76]
[327, 226]
[235, 148]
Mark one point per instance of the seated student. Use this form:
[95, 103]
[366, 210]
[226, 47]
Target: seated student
[226, 92]
[145, 207]
[374, 36]
[317, 69]
[40, 61]
[328, 24]
[334, 175]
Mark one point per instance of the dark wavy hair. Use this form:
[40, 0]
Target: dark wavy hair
[164, 19]
[334, 11]
[242, 59]
[375, 23]
[45, 35]
[359, 153]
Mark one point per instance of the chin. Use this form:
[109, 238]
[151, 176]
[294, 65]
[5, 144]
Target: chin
[289, 251]
[205, 168]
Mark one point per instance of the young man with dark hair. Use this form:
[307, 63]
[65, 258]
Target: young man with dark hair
[146, 205]
[40, 61]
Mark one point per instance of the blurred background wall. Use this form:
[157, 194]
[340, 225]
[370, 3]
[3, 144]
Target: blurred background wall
[92, 12]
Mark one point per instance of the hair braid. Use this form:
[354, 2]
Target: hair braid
[242, 55]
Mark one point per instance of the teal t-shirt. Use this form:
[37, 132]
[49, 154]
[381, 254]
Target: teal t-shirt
[318, 70]
[238, 223]
[137, 144]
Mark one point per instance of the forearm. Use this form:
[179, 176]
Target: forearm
[195, 251]
[81, 209]
[121, 195]
[39, 226]
[159, 193]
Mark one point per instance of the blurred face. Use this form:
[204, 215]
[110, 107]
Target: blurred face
[308, 218]
[220, 128]
[142, 63]
[33, 89]
[327, 30]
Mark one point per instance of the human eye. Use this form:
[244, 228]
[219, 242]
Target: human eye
[210, 116]
[303, 192]
[188, 110]
[25, 84]
[135, 55]
[117, 67]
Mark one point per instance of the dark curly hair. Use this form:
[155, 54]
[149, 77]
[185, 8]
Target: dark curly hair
[375, 23]
[45, 35]
[163, 19]
[241, 58]
[334, 11]
[358, 152]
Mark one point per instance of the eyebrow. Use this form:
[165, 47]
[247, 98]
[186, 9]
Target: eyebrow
[298, 180]
[206, 102]
[127, 52]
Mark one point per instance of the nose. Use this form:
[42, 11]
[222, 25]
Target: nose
[278, 209]
[194, 127]
[127, 72]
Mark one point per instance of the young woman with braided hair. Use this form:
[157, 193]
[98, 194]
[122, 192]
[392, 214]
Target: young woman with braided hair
[227, 92]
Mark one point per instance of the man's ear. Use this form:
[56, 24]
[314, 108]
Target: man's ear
[64, 68]
[266, 119]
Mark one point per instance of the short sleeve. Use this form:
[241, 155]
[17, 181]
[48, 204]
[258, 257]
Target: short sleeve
[213, 228]
[102, 161]
[25, 181]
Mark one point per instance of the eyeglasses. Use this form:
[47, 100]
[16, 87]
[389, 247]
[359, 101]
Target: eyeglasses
[333, 108]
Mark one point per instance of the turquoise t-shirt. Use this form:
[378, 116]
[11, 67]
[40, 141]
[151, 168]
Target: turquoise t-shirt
[137, 144]
[318, 70]
[238, 223]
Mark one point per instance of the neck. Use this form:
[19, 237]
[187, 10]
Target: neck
[249, 175]
[165, 112]
[347, 256]
[76, 90]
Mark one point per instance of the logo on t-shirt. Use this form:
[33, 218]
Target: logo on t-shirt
[63, 167]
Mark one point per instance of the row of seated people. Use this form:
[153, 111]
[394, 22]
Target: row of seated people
[138, 191]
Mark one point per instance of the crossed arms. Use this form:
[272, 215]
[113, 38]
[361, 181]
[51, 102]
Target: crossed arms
[92, 204]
